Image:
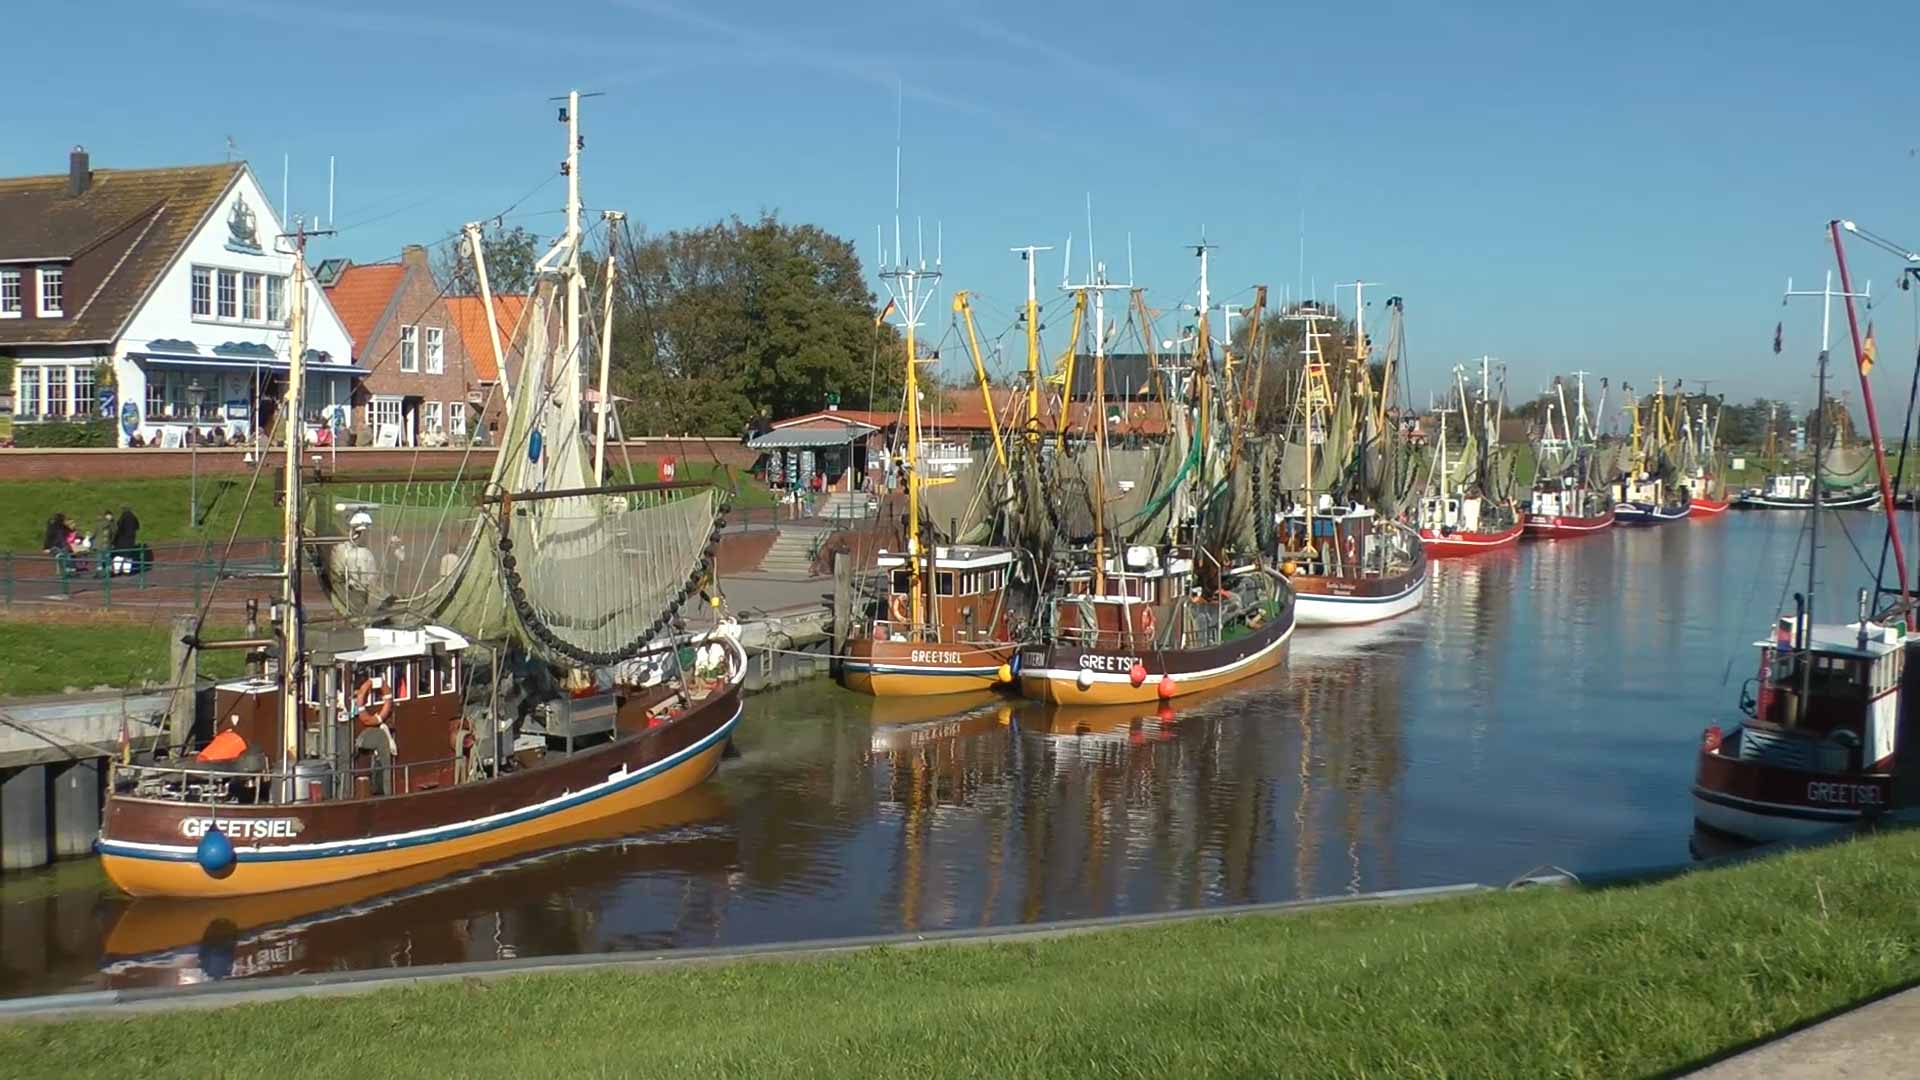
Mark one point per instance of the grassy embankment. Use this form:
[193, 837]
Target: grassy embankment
[162, 504]
[1614, 982]
[83, 650]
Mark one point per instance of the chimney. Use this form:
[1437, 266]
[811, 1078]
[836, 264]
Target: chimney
[79, 172]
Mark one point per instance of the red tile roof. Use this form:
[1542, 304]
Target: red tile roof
[469, 318]
[361, 295]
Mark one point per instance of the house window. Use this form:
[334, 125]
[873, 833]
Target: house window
[436, 351]
[251, 298]
[434, 423]
[457, 419]
[202, 292]
[57, 392]
[9, 294]
[276, 298]
[156, 395]
[83, 390]
[382, 411]
[450, 677]
[52, 291]
[229, 294]
[27, 381]
[409, 349]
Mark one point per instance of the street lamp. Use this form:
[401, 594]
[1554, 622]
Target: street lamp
[195, 395]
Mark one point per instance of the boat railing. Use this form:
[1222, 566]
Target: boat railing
[308, 781]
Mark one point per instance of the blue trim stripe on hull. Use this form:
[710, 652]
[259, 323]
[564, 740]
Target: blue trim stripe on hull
[450, 832]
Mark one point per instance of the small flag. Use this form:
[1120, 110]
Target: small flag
[1867, 349]
[884, 312]
[1777, 327]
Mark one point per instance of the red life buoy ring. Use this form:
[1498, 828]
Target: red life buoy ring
[897, 607]
[1351, 547]
[1147, 626]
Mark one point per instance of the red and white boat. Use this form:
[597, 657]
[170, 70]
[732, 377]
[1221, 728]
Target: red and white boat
[1468, 525]
[1456, 516]
[1567, 508]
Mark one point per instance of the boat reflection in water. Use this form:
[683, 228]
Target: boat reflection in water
[446, 912]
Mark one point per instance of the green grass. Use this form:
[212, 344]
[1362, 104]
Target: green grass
[1606, 983]
[162, 504]
[47, 656]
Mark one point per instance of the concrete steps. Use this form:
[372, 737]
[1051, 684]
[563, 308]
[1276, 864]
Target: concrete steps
[791, 554]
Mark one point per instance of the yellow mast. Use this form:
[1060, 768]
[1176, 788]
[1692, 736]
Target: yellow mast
[1032, 423]
[1099, 471]
[963, 306]
[1066, 368]
[915, 577]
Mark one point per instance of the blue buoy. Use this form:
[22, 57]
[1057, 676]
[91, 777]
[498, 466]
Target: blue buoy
[215, 853]
[534, 443]
[1013, 665]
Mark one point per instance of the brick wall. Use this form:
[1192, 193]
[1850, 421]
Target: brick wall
[418, 304]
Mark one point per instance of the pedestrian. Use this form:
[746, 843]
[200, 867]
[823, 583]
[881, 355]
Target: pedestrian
[102, 543]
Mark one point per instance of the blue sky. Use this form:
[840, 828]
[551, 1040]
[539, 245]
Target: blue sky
[1623, 188]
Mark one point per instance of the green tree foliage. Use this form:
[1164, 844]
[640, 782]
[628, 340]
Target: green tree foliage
[1745, 426]
[718, 325]
[511, 254]
[1285, 358]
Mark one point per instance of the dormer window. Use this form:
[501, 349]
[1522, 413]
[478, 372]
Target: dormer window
[52, 292]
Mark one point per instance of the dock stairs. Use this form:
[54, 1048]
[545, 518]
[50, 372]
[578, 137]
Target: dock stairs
[791, 556]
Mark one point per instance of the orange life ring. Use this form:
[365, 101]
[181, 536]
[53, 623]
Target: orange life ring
[372, 716]
[897, 607]
[1147, 625]
[1351, 547]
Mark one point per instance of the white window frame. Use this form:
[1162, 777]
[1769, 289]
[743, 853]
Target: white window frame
[253, 297]
[409, 348]
[223, 296]
[199, 279]
[82, 399]
[435, 418]
[56, 277]
[25, 376]
[66, 392]
[457, 419]
[276, 298]
[12, 293]
[384, 409]
[436, 351]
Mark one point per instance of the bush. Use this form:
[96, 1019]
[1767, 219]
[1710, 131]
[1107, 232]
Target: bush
[59, 434]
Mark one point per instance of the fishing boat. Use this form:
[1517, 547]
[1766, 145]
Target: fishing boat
[1644, 494]
[946, 611]
[1567, 501]
[1700, 466]
[1795, 492]
[1348, 562]
[530, 684]
[1158, 620]
[1844, 483]
[1458, 516]
[1820, 743]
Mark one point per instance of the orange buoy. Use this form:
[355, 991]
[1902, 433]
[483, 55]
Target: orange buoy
[1166, 687]
[1137, 674]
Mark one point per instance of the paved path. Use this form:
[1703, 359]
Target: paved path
[1881, 1039]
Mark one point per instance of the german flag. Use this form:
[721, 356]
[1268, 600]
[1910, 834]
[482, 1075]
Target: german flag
[1867, 350]
[884, 312]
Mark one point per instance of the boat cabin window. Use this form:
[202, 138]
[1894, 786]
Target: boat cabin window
[447, 673]
[943, 583]
[400, 677]
[902, 582]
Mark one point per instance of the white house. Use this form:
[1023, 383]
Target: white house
[159, 297]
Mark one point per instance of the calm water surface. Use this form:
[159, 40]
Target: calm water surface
[1542, 708]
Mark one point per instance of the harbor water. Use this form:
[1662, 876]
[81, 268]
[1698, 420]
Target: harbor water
[1542, 708]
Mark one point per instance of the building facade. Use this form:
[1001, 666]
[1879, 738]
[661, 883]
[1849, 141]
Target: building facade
[157, 297]
[428, 376]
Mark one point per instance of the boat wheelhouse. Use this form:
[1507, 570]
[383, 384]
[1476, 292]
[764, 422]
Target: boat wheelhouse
[1144, 628]
[1795, 492]
[1824, 718]
[946, 629]
[1347, 566]
[1565, 507]
[1453, 525]
[1641, 498]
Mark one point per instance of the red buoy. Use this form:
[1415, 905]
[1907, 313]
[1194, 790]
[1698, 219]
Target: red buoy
[1166, 687]
[1137, 674]
[1710, 739]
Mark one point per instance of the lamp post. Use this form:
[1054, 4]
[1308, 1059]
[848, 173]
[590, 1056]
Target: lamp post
[195, 395]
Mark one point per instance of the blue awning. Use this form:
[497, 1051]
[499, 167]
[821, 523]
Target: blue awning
[230, 363]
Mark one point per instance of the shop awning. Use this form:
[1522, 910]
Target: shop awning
[238, 363]
[799, 438]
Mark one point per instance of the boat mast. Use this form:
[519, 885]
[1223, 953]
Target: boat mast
[292, 655]
[1028, 254]
[1584, 431]
[573, 234]
[910, 286]
[1866, 395]
[1098, 285]
[613, 219]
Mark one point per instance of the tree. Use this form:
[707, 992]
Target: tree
[716, 325]
[511, 255]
